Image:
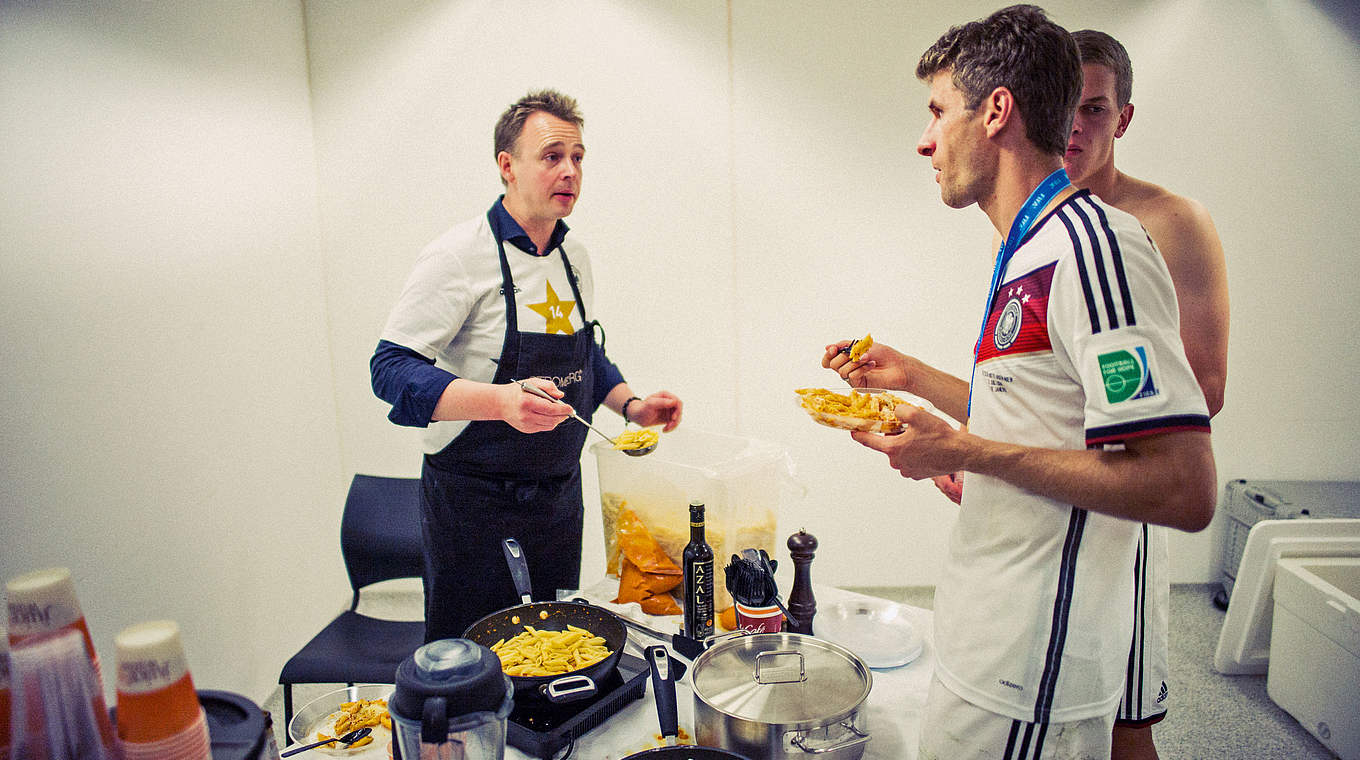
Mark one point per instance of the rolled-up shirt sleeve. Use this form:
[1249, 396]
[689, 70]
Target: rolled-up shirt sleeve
[408, 381]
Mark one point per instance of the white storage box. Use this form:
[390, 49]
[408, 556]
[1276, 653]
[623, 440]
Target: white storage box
[1315, 648]
[1248, 502]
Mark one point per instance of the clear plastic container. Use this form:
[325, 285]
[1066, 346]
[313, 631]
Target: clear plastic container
[739, 480]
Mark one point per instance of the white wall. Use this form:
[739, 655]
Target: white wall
[167, 409]
[209, 208]
[405, 98]
[1240, 105]
[780, 205]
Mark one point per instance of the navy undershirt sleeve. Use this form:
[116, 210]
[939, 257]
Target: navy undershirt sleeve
[409, 381]
[607, 375]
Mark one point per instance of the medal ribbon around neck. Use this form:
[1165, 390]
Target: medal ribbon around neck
[1044, 194]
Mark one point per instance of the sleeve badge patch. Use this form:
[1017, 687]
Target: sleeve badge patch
[1126, 375]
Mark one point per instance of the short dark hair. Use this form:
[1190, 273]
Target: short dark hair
[511, 123]
[1020, 49]
[1101, 48]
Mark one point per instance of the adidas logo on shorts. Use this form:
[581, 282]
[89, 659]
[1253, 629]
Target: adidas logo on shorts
[1161, 693]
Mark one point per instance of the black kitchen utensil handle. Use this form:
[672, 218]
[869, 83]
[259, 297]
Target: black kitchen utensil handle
[519, 569]
[434, 721]
[663, 685]
[684, 646]
[361, 733]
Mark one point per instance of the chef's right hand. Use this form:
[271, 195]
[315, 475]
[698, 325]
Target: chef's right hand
[879, 367]
[529, 413]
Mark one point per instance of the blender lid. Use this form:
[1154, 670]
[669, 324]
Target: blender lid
[466, 674]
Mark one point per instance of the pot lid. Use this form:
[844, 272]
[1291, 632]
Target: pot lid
[781, 678]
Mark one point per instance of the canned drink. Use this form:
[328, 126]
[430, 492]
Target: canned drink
[769, 619]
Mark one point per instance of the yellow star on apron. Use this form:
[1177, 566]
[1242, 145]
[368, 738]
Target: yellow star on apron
[556, 311]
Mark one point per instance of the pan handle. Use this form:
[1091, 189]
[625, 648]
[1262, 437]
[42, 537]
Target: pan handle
[519, 569]
[685, 648]
[663, 686]
[569, 689]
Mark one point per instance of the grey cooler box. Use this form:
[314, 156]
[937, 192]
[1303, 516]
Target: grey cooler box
[1248, 502]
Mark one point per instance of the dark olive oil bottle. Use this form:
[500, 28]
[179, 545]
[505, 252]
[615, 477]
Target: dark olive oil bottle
[698, 577]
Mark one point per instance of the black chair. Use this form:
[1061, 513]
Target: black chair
[380, 540]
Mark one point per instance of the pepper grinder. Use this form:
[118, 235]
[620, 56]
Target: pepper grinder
[802, 604]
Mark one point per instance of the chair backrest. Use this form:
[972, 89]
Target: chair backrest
[380, 530]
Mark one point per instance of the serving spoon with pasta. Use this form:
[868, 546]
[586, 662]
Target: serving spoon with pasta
[634, 443]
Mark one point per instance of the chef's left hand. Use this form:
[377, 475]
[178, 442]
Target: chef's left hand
[951, 486]
[658, 408]
[928, 446]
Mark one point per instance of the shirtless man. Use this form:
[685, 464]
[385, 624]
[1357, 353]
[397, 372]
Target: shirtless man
[1180, 227]
[1185, 236]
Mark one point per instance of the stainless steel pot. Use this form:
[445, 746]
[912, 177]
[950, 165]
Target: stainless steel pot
[778, 696]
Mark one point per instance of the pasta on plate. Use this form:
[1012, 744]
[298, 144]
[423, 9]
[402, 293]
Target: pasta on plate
[868, 409]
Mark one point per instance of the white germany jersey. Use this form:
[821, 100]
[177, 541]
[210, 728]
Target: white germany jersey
[1034, 613]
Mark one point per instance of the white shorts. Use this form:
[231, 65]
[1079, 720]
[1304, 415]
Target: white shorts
[1145, 691]
[954, 729]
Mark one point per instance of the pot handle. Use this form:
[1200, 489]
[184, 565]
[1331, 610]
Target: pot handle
[779, 673]
[857, 737]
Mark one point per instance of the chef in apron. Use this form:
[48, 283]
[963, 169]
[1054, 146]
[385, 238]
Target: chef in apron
[486, 305]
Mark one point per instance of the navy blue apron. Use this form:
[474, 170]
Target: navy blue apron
[493, 482]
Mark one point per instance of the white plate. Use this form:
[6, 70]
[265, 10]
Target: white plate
[876, 630]
[319, 715]
[867, 424]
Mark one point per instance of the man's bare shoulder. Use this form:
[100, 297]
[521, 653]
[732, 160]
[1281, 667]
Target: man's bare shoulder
[1166, 215]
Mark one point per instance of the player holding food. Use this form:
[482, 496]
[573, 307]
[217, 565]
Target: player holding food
[1185, 235]
[1084, 417]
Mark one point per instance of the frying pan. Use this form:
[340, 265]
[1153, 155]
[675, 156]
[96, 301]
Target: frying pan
[551, 616]
[663, 687]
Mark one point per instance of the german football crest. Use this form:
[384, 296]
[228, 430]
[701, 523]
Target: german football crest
[1008, 325]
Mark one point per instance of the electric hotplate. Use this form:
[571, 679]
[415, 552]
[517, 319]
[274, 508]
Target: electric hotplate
[541, 729]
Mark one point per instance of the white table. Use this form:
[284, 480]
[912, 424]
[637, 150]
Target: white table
[892, 713]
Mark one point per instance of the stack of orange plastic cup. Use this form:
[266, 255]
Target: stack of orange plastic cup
[44, 601]
[159, 716]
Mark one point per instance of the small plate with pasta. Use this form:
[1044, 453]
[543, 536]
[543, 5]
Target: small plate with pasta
[336, 712]
[866, 409]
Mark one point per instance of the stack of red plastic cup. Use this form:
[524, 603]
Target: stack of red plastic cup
[44, 601]
[159, 715]
[58, 704]
[4, 698]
